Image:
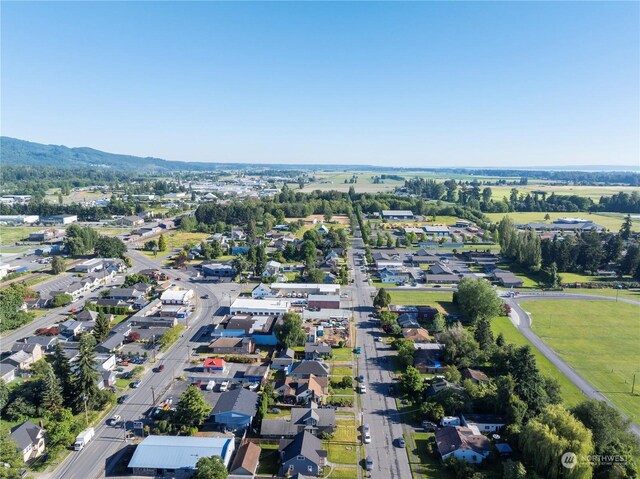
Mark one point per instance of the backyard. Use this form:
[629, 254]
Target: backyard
[443, 300]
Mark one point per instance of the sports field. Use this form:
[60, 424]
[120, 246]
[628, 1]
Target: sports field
[599, 339]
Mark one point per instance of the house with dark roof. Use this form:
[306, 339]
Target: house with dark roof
[462, 443]
[307, 388]
[235, 409]
[232, 346]
[8, 372]
[302, 455]
[246, 461]
[317, 350]
[30, 440]
[303, 368]
[283, 360]
[310, 419]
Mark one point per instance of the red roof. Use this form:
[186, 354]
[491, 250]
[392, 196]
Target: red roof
[214, 362]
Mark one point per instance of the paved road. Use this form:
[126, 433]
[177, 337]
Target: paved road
[90, 463]
[378, 408]
[522, 321]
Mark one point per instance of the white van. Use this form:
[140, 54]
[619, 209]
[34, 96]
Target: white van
[211, 385]
[224, 385]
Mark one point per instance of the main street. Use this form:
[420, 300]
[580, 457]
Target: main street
[90, 463]
[378, 408]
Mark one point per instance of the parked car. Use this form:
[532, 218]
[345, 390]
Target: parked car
[400, 442]
[136, 384]
[429, 426]
[122, 399]
[160, 368]
[369, 463]
[366, 434]
[115, 419]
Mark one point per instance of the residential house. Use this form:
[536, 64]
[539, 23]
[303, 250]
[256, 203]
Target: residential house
[7, 372]
[30, 440]
[484, 422]
[126, 294]
[507, 278]
[130, 221]
[475, 376]
[47, 342]
[177, 295]
[305, 389]
[462, 443]
[303, 368]
[35, 350]
[21, 359]
[283, 360]
[311, 419]
[235, 409]
[272, 268]
[417, 335]
[317, 350]
[256, 374]
[240, 346]
[218, 270]
[245, 464]
[302, 455]
[262, 291]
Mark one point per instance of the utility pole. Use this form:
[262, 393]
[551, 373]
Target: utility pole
[633, 386]
[86, 415]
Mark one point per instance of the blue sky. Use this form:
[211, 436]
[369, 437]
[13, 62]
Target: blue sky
[394, 84]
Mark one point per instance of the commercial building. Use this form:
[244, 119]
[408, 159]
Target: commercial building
[397, 215]
[19, 219]
[157, 455]
[260, 306]
[324, 301]
[59, 220]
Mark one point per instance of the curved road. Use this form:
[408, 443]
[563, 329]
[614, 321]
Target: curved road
[522, 322]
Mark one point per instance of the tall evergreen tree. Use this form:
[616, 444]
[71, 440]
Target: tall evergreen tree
[87, 374]
[52, 399]
[62, 370]
[102, 327]
[162, 243]
[625, 229]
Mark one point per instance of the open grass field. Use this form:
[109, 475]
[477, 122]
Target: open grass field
[571, 394]
[343, 473]
[443, 300]
[593, 192]
[12, 234]
[610, 292]
[611, 221]
[599, 339]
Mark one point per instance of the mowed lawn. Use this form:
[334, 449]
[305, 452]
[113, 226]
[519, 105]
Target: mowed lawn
[599, 339]
[611, 221]
[571, 395]
[443, 300]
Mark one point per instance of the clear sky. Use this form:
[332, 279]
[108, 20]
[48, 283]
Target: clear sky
[394, 84]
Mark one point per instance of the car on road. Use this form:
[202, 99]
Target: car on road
[400, 442]
[363, 389]
[115, 419]
[204, 296]
[368, 463]
[122, 399]
[136, 384]
[366, 434]
[160, 368]
[361, 378]
[379, 339]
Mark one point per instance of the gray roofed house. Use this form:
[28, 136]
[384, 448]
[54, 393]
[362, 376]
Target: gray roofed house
[440, 268]
[87, 315]
[463, 444]
[113, 342]
[125, 294]
[507, 278]
[283, 360]
[47, 342]
[30, 440]
[236, 409]
[302, 455]
[315, 351]
[304, 368]
[313, 420]
[7, 372]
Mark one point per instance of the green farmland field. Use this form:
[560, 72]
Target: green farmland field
[611, 221]
[599, 339]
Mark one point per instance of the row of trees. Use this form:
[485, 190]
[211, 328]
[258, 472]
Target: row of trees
[81, 240]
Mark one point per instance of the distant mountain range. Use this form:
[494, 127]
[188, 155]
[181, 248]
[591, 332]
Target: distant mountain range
[26, 153]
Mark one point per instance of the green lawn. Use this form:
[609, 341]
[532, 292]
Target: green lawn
[269, 460]
[345, 431]
[343, 473]
[342, 371]
[597, 338]
[341, 453]
[341, 354]
[443, 300]
[570, 393]
[611, 292]
[429, 466]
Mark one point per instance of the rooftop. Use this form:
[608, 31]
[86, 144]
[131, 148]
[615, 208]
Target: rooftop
[177, 452]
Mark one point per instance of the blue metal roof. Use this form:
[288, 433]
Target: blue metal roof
[179, 452]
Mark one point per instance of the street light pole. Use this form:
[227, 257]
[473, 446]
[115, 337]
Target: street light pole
[86, 415]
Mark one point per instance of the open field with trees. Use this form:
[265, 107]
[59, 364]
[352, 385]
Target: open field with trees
[599, 339]
[571, 395]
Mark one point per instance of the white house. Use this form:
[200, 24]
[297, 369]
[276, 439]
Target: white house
[463, 443]
[262, 291]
